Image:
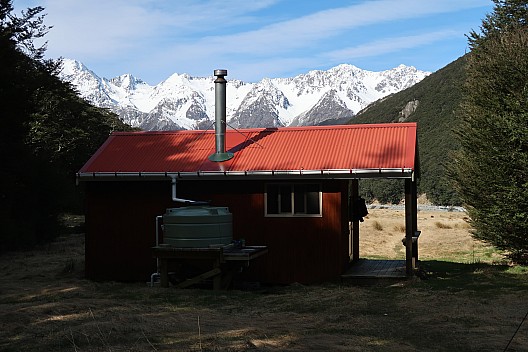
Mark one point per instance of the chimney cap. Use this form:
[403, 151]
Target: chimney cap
[220, 72]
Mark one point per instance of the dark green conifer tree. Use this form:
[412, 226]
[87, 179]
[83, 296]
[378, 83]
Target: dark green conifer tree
[491, 168]
[46, 132]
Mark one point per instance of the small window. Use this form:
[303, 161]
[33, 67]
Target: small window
[283, 199]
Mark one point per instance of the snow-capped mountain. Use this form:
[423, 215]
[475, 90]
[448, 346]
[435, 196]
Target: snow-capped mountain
[185, 102]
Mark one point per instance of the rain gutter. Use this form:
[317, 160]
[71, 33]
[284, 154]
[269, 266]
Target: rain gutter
[261, 174]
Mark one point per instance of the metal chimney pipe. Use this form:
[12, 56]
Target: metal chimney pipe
[220, 117]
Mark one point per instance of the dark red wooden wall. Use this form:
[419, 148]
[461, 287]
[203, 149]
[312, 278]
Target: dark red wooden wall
[120, 221]
[121, 228]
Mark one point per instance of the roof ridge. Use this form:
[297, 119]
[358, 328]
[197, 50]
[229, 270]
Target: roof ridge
[274, 129]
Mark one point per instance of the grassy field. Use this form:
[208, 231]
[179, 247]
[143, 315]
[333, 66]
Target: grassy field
[466, 300]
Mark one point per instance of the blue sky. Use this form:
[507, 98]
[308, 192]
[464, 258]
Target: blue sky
[253, 39]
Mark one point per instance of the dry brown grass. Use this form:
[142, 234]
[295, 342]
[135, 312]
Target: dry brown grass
[399, 228]
[444, 235]
[377, 225]
[46, 305]
[441, 225]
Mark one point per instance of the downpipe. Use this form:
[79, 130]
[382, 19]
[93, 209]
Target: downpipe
[181, 200]
[155, 276]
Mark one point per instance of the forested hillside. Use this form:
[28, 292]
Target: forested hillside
[432, 103]
[47, 133]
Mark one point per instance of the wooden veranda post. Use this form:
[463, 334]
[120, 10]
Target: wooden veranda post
[411, 224]
[354, 193]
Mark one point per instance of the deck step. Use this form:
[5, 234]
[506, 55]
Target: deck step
[376, 269]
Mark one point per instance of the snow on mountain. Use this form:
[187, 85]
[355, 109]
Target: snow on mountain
[185, 102]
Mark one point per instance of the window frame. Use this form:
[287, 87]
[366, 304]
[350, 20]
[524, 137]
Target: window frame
[293, 199]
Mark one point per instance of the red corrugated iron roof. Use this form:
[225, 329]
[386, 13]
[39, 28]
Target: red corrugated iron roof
[337, 149]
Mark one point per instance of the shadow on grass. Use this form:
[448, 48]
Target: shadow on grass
[473, 276]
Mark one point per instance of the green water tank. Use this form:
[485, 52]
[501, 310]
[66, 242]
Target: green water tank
[197, 226]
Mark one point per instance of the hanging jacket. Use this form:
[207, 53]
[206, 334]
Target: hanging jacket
[357, 209]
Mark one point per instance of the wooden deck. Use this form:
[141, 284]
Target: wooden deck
[376, 269]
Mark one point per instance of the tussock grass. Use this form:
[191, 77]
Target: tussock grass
[444, 226]
[399, 228]
[377, 225]
[463, 226]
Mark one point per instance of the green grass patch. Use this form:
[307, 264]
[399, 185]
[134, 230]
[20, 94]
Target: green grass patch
[479, 277]
[478, 254]
[518, 270]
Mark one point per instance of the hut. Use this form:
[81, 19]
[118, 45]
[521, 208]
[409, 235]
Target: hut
[289, 189]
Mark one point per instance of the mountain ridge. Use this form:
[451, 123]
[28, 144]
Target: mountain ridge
[185, 102]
